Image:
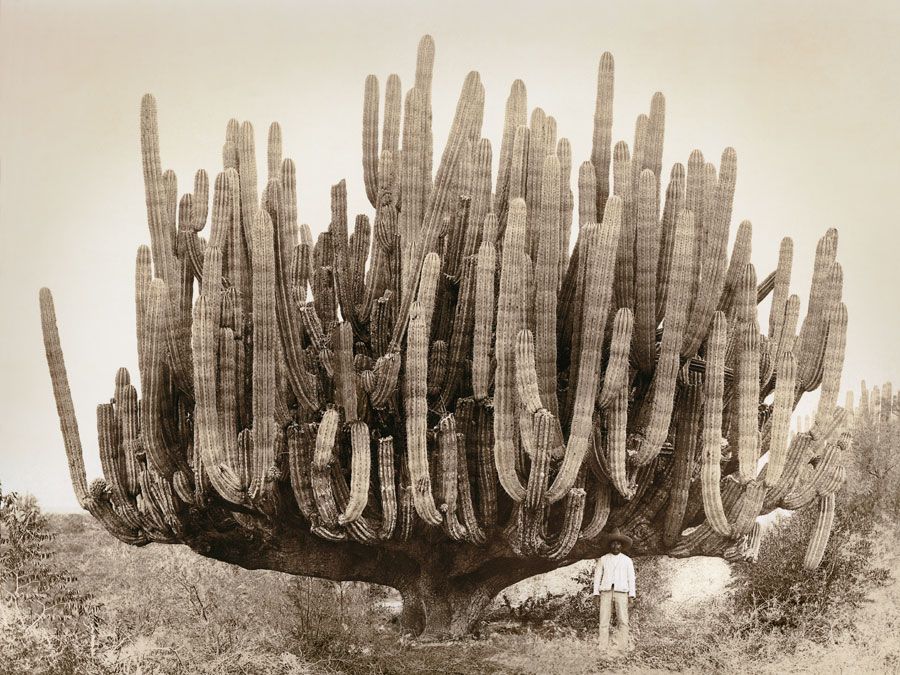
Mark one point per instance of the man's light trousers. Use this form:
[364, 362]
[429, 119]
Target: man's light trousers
[620, 599]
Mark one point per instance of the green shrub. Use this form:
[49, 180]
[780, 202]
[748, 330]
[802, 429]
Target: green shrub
[777, 592]
[50, 625]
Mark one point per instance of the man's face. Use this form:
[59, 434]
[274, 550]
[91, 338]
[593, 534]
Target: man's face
[615, 546]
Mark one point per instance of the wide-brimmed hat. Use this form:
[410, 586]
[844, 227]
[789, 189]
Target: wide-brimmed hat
[616, 535]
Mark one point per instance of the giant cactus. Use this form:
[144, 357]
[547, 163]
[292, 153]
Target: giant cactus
[463, 393]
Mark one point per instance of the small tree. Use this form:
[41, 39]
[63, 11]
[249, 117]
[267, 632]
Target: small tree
[38, 592]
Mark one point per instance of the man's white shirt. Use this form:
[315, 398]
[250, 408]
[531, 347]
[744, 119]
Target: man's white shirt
[614, 571]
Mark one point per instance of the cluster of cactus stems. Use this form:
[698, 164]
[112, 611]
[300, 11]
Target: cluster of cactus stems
[480, 361]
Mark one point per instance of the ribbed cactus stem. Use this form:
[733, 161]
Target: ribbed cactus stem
[645, 283]
[546, 279]
[835, 345]
[370, 139]
[415, 395]
[710, 267]
[674, 204]
[615, 376]
[600, 258]
[813, 330]
[63, 396]
[323, 458]
[345, 373]
[617, 436]
[448, 476]
[208, 427]
[740, 258]
[509, 322]
[782, 406]
[815, 550]
[655, 415]
[387, 482]
[163, 458]
[265, 336]
[515, 116]
[360, 471]
[747, 508]
[274, 152]
[602, 139]
[485, 276]
[747, 439]
[713, 388]
[571, 525]
[689, 410]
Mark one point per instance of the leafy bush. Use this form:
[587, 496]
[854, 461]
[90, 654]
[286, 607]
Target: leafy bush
[873, 470]
[49, 624]
[778, 593]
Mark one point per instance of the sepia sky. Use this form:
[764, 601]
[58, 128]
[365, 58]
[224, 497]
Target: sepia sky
[806, 92]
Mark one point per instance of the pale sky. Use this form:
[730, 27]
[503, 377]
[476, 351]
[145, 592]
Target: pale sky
[806, 92]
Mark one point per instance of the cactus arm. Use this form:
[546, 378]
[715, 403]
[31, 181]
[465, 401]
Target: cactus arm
[571, 526]
[461, 338]
[415, 395]
[540, 460]
[688, 431]
[616, 376]
[126, 407]
[485, 474]
[623, 289]
[361, 529]
[289, 328]
[476, 533]
[710, 267]
[674, 204]
[345, 373]
[323, 458]
[526, 374]
[112, 460]
[813, 329]
[782, 406]
[387, 482]
[370, 139]
[600, 513]
[815, 550]
[514, 117]
[602, 138]
[448, 477]
[747, 508]
[617, 430]
[300, 442]
[485, 275]
[360, 470]
[600, 257]
[656, 413]
[713, 387]
[159, 454]
[509, 309]
[740, 258]
[656, 135]
[214, 438]
[645, 283]
[264, 355]
[835, 345]
[546, 279]
[471, 101]
[748, 404]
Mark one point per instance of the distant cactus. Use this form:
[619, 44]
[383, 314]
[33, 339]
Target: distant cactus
[460, 392]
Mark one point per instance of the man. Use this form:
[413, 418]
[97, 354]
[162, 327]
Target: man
[614, 585]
